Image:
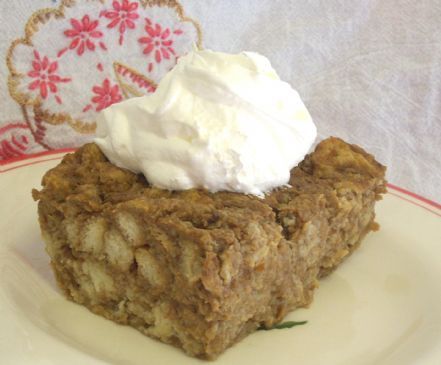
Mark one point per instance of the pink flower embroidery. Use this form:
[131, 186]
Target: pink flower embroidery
[106, 95]
[13, 140]
[123, 13]
[43, 70]
[84, 34]
[158, 42]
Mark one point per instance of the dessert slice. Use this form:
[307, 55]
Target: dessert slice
[196, 269]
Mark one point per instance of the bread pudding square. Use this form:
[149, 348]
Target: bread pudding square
[201, 270]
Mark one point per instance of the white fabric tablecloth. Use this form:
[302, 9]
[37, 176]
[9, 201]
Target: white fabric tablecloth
[369, 71]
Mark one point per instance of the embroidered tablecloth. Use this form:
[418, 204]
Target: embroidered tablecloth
[369, 71]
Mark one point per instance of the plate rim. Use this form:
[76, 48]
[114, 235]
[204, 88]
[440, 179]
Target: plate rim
[45, 156]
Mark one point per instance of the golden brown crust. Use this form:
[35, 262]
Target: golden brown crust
[196, 269]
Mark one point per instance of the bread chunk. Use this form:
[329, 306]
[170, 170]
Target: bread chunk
[201, 270]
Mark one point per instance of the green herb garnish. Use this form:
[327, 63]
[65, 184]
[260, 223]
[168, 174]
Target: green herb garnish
[288, 324]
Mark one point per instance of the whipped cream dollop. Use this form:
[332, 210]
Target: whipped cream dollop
[218, 121]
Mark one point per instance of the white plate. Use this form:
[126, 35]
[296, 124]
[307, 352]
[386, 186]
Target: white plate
[382, 306]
